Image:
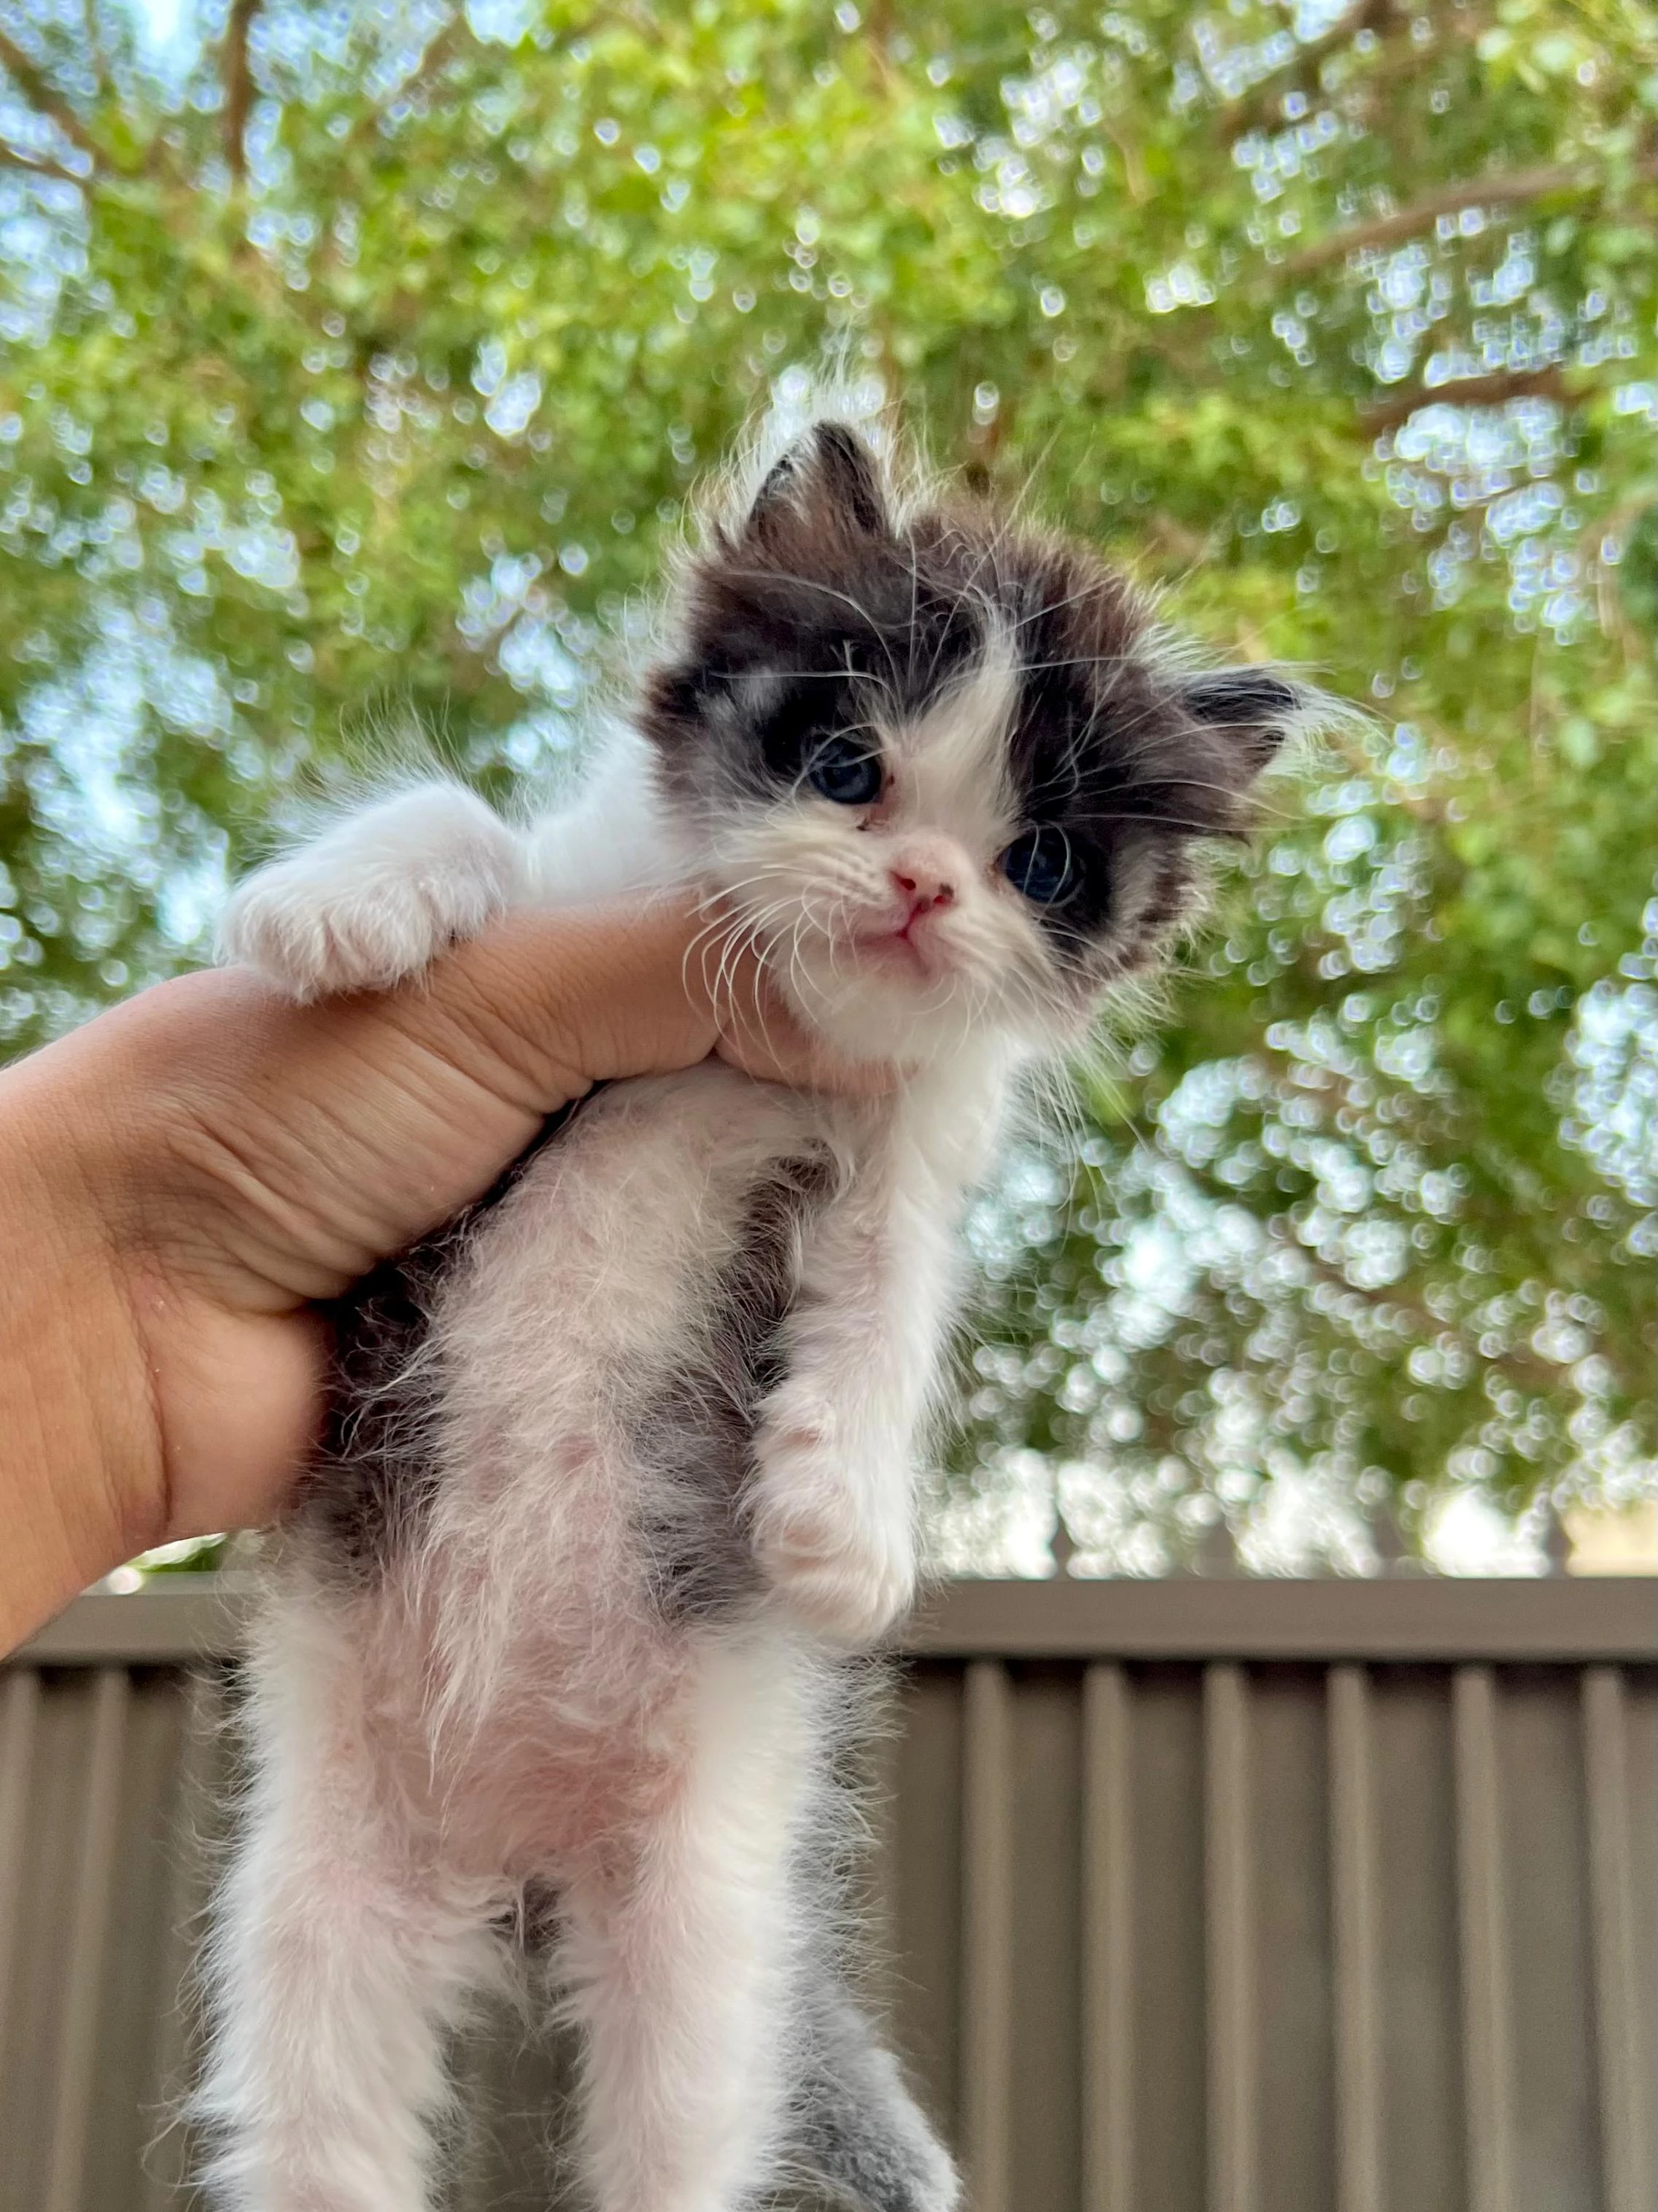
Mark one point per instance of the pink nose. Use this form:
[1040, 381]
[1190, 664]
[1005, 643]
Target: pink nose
[926, 887]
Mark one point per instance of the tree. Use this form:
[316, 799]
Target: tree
[358, 362]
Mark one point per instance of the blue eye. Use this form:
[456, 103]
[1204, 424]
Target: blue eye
[845, 771]
[1038, 864]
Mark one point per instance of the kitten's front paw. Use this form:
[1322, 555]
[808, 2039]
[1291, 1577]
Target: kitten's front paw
[839, 1568]
[373, 900]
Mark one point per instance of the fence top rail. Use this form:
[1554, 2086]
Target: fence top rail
[1606, 1618]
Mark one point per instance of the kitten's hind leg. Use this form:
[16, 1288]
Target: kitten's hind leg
[681, 1958]
[854, 2128]
[378, 894]
[338, 1956]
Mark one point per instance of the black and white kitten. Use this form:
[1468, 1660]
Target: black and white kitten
[619, 1470]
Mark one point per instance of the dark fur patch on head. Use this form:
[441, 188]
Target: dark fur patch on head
[822, 612]
[1113, 749]
[829, 474]
[798, 623]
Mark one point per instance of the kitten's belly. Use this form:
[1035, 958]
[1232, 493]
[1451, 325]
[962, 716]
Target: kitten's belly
[550, 1789]
[596, 1286]
[584, 1434]
[565, 1769]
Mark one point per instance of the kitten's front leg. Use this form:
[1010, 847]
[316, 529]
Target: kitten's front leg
[833, 1502]
[377, 895]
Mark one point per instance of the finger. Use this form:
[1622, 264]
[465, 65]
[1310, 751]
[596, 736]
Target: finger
[546, 1004]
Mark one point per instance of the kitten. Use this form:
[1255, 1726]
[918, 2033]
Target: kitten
[617, 1477]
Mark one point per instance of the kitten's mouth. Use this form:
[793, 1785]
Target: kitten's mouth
[911, 950]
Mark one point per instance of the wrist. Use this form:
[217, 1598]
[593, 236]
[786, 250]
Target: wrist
[79, 1482]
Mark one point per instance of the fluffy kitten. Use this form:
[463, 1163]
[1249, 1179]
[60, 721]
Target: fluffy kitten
[618, 1471]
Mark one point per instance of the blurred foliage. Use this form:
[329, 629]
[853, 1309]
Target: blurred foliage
[356, 359]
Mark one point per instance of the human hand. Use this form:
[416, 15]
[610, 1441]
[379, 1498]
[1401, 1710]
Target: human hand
[192, 1170]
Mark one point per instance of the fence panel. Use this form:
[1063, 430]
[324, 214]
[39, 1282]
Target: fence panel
[1199, 1896]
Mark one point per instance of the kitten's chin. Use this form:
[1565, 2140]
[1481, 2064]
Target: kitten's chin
[877, 1016]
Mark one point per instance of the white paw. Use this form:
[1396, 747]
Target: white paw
[842, 1568]
[377, 898]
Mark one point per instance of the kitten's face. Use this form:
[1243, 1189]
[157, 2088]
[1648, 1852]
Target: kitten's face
[930, 763]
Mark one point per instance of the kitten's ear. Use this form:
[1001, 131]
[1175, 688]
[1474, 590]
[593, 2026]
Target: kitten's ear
[830, 477]
[1253, 707]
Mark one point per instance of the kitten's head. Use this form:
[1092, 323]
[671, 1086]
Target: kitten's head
[942, 766]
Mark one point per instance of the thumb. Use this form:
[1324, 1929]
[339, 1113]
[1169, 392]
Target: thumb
[545, 1005]
[552, 1004]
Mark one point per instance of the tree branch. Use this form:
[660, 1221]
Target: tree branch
[446, 44]
[41, 96]
[38, 165]
[1263, 105]
[95, 43]
[237, 75]
[1489, 390]
[1404, 223]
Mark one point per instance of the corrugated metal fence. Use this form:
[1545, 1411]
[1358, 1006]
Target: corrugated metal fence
[1199, 1896]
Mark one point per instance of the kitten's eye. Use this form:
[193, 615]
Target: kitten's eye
[843, 771]
[1038, 864]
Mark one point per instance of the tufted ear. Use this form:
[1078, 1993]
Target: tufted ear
[828, 478]
[1251, 705]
